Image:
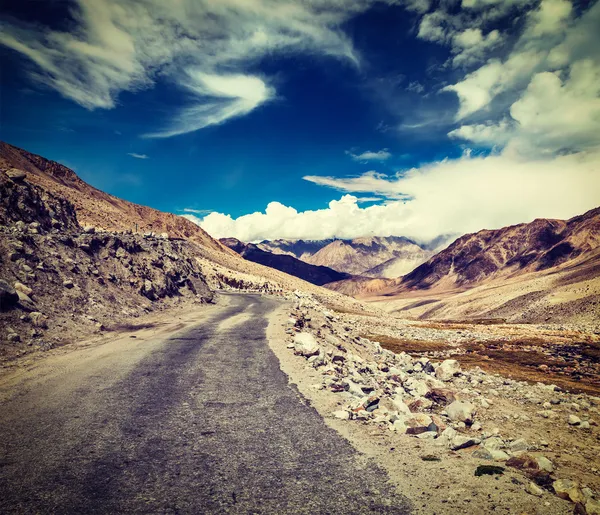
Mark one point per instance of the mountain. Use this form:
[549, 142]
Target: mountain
[363, 256]
[318, 275]
[96, 208]
[301, 249]
[545, 270]
[535, 246]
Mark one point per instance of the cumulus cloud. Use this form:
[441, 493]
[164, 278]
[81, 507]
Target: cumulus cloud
[450, 196]
[138, 156]
[379, 155]
[206, 48]
[552, 40]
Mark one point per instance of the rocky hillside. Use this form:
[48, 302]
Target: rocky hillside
[390, 256]
[535, 246]
[59, 281]
[96, 208]
[318, 275]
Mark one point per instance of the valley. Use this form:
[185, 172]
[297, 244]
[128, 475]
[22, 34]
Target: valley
[483, 353]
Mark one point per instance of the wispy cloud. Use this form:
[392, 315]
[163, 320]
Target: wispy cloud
[204, 48]
[138, 156]
[201, 212]
[379, 155]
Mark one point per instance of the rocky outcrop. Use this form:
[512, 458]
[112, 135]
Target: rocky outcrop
[59, 280]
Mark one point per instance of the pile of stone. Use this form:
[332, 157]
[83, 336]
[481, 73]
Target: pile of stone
[417, 397]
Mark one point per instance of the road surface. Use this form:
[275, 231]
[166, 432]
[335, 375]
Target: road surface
[201, 421]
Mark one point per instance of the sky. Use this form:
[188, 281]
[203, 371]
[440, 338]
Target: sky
[265, 119]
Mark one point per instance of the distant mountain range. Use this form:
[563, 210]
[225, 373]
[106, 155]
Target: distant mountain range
[287, 263]
[545, 269]
[374, 256]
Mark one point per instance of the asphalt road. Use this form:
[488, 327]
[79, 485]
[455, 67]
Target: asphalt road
[203, 421]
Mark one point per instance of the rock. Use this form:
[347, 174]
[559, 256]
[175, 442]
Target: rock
[447, 369]
[544, 464]
[8, 296]
[16, 174]
[584, 425]
[534, 489]
[574, 420]
[399, 426]
[483, 454]
[419, 423]
[592, 507]
[341, 415]
[568, 489]
[148, 290]
[13, 337]
[441, 396]
[416, 387]
[25, 302]
[23, 288]
[67, 283]
[518, 445]
[306, 345]
[462, 442]
[39, 320]
[460, 411]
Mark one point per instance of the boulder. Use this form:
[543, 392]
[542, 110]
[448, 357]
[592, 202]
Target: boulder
[16, 174]
[460, 411]
[447, 369]
[341, 415]
[574, 420]
[39, 320]
[306, 345]
[419, 423]
[67, 283]
[8, 296]
[462, 442]
[534, 489]
[568, 489]
[25, 302]
[441, 396]
[23, 288]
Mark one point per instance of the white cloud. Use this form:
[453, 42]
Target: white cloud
[138, 156]
[227, 96]
[451, 196]
[552, 39]
[552, 115]
[471, 45]
[204, 47]
[379, 155]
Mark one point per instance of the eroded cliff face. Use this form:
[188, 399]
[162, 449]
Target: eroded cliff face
[61, 281]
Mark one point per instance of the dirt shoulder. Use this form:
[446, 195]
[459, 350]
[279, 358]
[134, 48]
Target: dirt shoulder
[524, 420]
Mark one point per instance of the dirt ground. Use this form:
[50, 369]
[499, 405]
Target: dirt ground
[438, 480]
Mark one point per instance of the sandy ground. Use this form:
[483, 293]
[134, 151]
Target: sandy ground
[448, 485]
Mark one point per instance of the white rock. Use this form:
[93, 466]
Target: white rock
[305, 344]
[460, 411]
[447, 369]
[574, 420]
[341, 414]
[518, 445]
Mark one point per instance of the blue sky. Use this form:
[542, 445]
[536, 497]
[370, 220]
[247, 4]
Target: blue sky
[314, 119]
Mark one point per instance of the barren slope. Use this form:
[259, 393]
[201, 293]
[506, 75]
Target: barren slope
[96, 208]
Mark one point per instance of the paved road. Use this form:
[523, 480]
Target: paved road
[202, 422]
